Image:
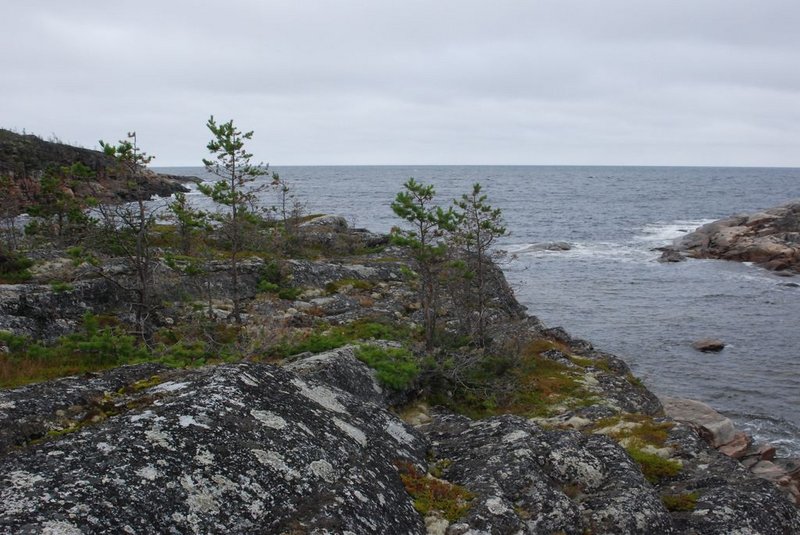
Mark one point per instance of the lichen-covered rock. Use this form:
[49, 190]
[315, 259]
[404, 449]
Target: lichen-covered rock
[340, 368]
[30, 412]
[530, 480]
[230, 449]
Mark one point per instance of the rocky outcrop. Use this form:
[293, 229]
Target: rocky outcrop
[313, 448]
[230, 449]
[770, 239]
[720, 433]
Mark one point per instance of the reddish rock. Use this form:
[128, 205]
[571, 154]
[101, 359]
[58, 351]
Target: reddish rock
[738, 447]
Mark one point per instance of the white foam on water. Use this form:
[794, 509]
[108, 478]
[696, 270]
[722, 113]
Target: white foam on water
[666, 232]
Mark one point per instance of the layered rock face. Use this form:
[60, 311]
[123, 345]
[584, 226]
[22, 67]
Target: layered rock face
[770, 239]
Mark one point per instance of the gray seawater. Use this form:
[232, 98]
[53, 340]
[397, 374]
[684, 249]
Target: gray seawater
[608, 288]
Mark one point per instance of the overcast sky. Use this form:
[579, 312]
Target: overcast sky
[636, 82]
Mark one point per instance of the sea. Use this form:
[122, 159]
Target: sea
[608, 287]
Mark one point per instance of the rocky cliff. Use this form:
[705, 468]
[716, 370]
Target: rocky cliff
[770, 239]
[319, 443]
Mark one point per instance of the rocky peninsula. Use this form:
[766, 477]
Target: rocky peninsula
[24, 157]
[770, 239]
[311, 432]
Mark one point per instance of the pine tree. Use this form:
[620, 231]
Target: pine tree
[235, 190]
[477, 227]
[130, 227]
[428, 225]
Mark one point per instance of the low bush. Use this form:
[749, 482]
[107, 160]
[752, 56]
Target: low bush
[396, 367]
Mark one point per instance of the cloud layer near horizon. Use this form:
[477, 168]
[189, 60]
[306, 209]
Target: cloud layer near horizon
[376, 82]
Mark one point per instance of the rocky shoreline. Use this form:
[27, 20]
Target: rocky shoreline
[770, 239]
[316, 443]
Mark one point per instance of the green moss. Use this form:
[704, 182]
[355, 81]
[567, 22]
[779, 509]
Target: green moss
[654, 468]
[396, 367]
[14, 268]
[325, 337]
[680, 502]
[431, 494]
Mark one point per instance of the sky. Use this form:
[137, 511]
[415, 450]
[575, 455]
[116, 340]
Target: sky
[345, 82]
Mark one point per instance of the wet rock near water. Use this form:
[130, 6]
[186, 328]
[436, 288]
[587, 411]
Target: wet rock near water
[709, 345]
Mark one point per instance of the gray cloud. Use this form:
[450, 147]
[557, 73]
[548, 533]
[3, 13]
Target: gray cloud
[547, 82]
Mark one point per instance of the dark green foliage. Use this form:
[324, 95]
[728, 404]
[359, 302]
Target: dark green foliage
[188, 222]
[14, 268]
[396, 367]
[96, 346]
[477, 225]
[428, 225]
[58, 213]
[275, 280]
[235, 192]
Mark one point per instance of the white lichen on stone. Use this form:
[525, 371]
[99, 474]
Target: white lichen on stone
[496, 506]
[323, 470]
[513, 436]
[104, 447]
[7, 405]
[146, 415]
[351, 431]
[248, 379]
[199, 499]
[276, 461]
[270, 419]
[159, 437]
[204, 457]
[304, 427]
[321, 395]
[398, 432]
[169, 386]
[187, 419]
[23, 480]
[148, 472]
[59, 527]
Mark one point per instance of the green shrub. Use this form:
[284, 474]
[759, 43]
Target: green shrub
[95, 347]
[14, 268]
[396, 367]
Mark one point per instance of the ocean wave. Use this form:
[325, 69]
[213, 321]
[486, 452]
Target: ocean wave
[666, 232]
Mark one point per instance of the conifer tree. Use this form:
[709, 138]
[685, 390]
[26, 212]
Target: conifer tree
[130, 226]
[235, 191]
[428, 225]
[477, 226]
